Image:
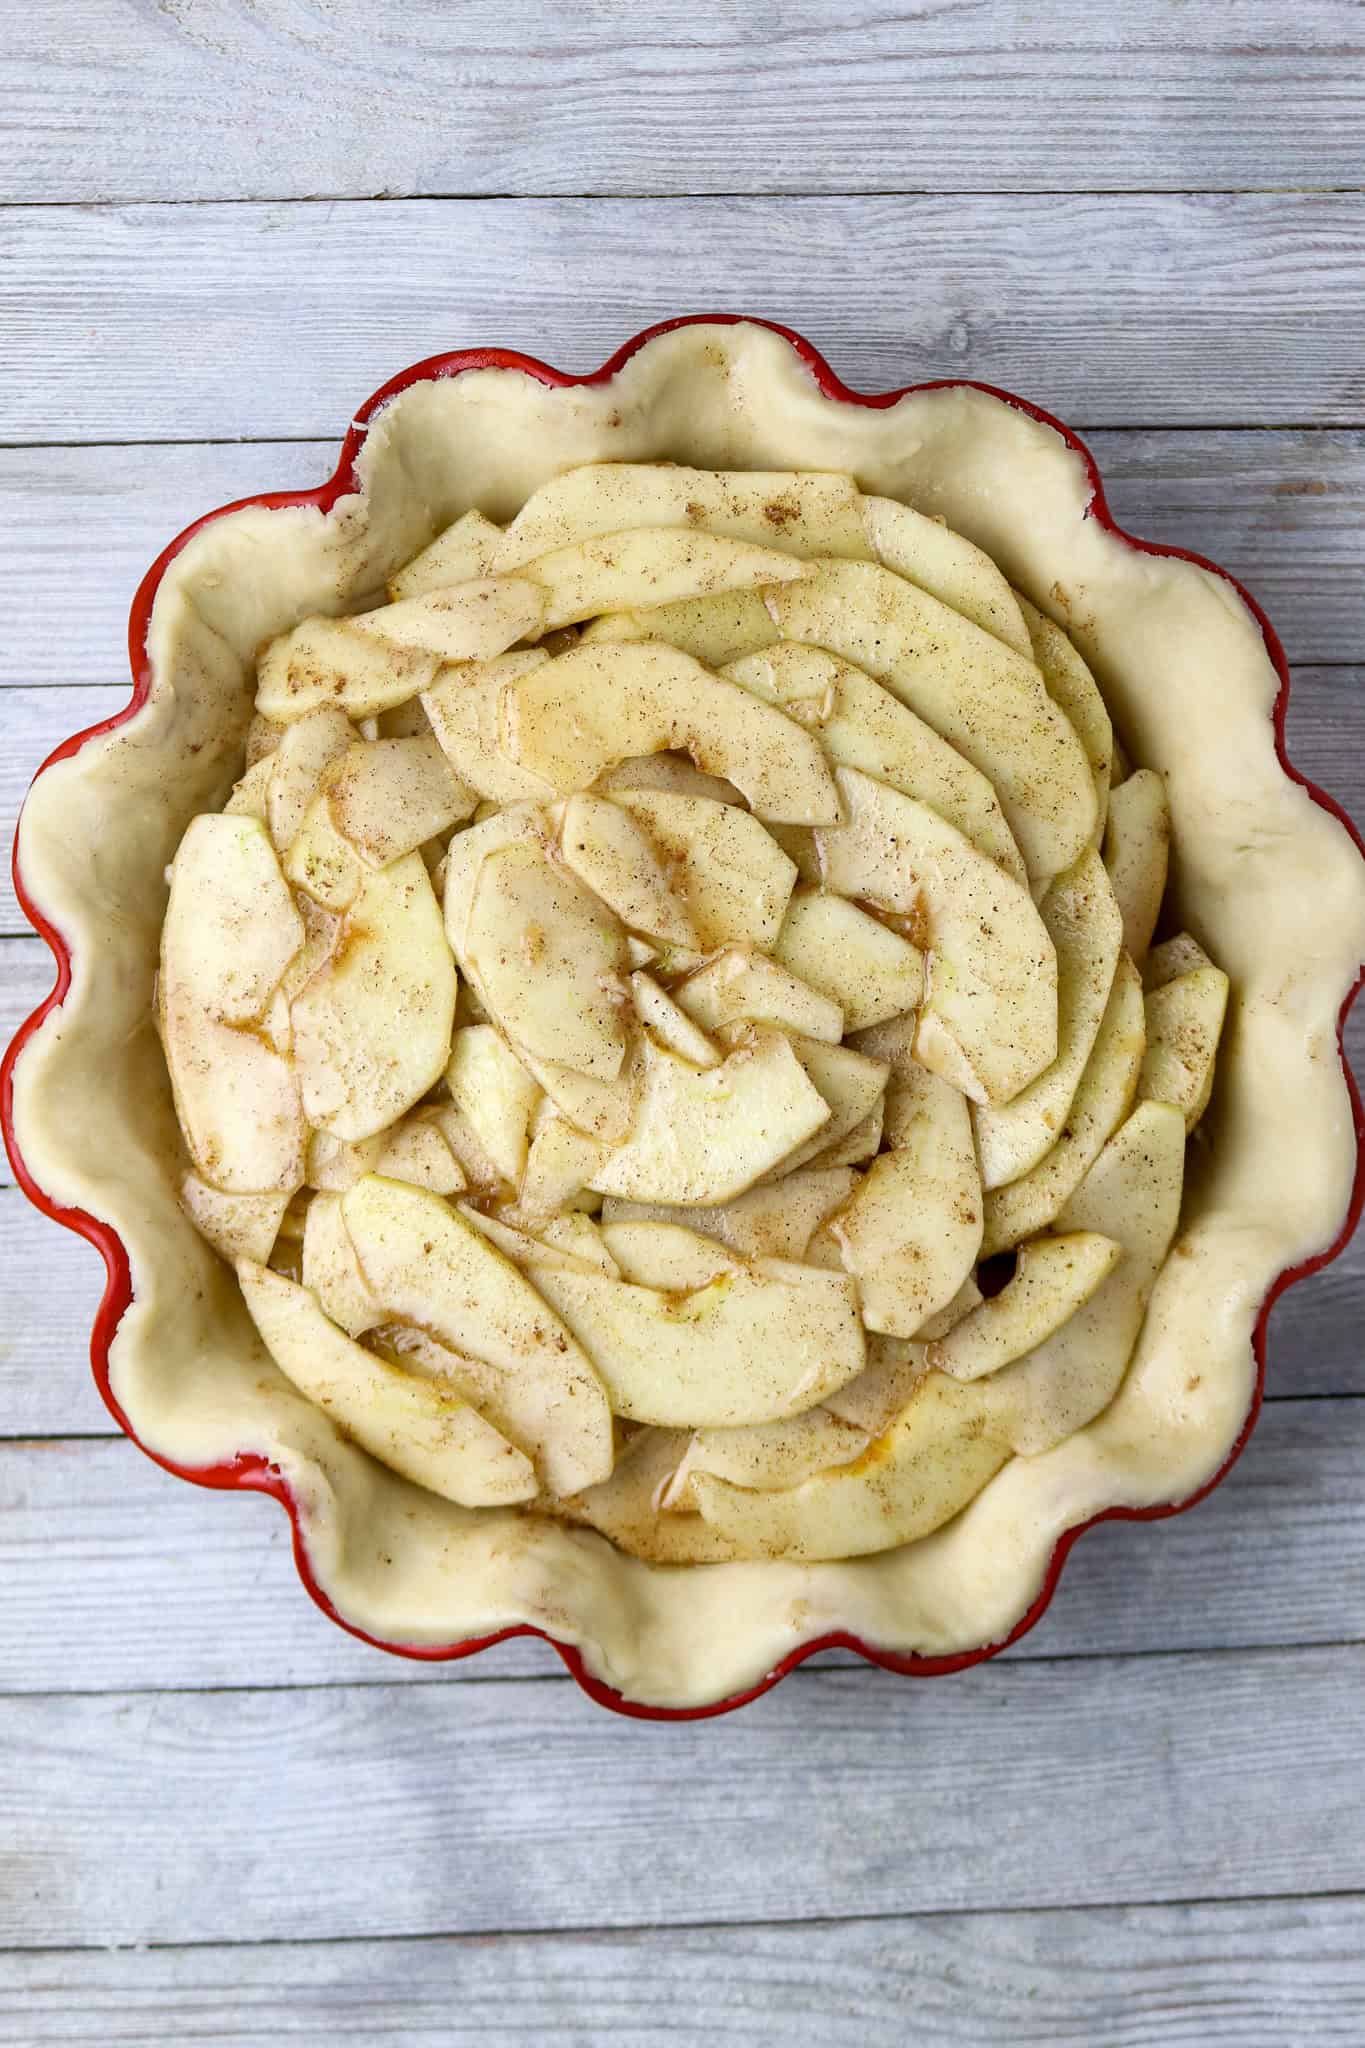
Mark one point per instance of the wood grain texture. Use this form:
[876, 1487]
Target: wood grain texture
[1194, 1976]
[223, 322]
[685, 96]
[1284, 511]
[393, 1809]
[120, 1578]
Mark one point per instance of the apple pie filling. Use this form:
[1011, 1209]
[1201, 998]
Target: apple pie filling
[646, 970]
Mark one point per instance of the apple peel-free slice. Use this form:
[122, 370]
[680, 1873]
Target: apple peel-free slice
[467, 549]
[766, 1454]
[336, 662]
[465, 622]
[850, 957]
[1184, 1024]
[613, 855]
[731, 875]
[801, 512]
[1137, 845]
[947, 565]
[388, 797]
[654, 565]
[237, 1226]
[1054, 1277]
[774, 1221]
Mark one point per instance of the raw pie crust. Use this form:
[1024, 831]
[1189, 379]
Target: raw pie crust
[1266, 879]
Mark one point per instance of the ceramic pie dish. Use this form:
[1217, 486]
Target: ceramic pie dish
[1265, 871]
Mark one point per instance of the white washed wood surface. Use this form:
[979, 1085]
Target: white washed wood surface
[292, 98]
[1142, 1825]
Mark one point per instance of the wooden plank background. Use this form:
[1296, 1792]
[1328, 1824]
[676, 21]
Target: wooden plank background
[221, 225]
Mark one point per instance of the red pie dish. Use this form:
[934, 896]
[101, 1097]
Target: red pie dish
[1265, 878]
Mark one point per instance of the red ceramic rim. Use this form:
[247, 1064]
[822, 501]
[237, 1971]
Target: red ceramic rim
[252, 1473]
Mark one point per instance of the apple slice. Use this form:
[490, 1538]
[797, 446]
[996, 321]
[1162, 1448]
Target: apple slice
[673, 1027]
[714, 630]
[237, 1226]
[1137, 845]
[1180, 955]
[895, 1366]
[462, 705]
[936, 1456]
[231, 928]
[766, 1454]
[488, 1083]
[1132, 1195]
[322, 865]
[419, 1427]
[337, 663]
[1084, 924]
[754, 1345]
[737, 984]
[466, 622]
[1033, 1202]
[861, 1143]
[666, 1256]
[430, 1266]
[560, 1163]
[548, 959]
[467, 549]
[1055, 1276]
[263, 735]
[388, 797]
[332, 1272]
[372, 1027]
[672, 773]
[803, 512]
[701, 1137]
[654, 565]
[580, 1236]
[981, 696]
[734, 880]
[772, 1222]
[851, 1082]
[333, 1165]
[581, 713]
[837, 948]
[416, 1150]
[947, 565]
[1184, 1024]
[625, 1507]
[250, 796]
[297, 764]
[1074, 690]
[861, 725]
[988, 1022]
[609, 850]
[911, 1230]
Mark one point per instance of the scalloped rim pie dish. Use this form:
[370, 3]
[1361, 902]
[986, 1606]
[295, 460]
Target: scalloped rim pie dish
[1266, 869]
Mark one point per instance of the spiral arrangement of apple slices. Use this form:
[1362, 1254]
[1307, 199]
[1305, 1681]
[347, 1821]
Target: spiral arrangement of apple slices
[643, 971]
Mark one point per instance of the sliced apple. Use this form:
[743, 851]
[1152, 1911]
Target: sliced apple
[466, 622]
[250, 796]
[462, 705]
[895, 1366]
[862, 1142]
[581, 1238]
[766, 1454]
[231, 928]
[934, 1458]
[981, 696]
[1084, 924]
[666, 1256]
[1054, 1277]
[1033, 1202]
[237, 1226]
[1184, 1024]
[559, 1164]
[714, 630]
[988, 1021]
[1132, 1195]
[467, 549]
[416, 1150]
[308, 748]
[776, 1221]
[332, 1165]
[1180, 955]
[372, 1027]
[322, 865]
[851, 1082]
[419, 1427]
[947, 565]
[336, 662]
[516, 824]
[430, 1266]
[802, 512]
[798, 843]
[602, 1110]
[862, 725]
[548, 958]
[739, 984]
[911, 1230]
[672, 1026]
[701, 1137]
[653, 565]
[1074, 690]
[672, 773]
[734, 880]
[480, 1172]
[851, 957]
[263, 735]
[387, 797]
[1137, 845]
[612, 854]
[625, 1507]
[332, 1272]
[494, 1091]
[753, 1345]
[578, 715]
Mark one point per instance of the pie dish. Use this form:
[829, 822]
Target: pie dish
[1262, 872]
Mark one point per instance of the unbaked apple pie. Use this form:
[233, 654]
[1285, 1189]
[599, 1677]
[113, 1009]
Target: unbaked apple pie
[667, 1027]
